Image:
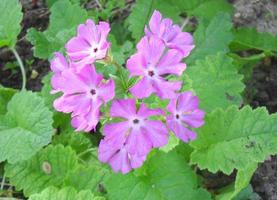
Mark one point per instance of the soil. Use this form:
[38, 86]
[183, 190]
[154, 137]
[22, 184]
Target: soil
[36, 15]
[262, 14]
[254, 13]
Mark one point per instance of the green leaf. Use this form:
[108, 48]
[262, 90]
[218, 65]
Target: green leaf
[64, 19]
[247, 194]
[5, 96]
[45, 92]
[67, 193]
[233, 139]
[243, 179]
[11, 16]
[249, 38]
[153, 101]
[49, 167]
[86, 178]
[209, 8]
[216, 82]
[173, 141]
[142, 11]
[26, 127]
[50, 3]
[77, 141]
[167, 176]
[212, 38]
[184, 149]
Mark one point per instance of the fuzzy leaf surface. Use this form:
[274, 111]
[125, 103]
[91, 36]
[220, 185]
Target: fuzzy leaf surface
[64, 19]
[216, 82]
[211, 38]
[11, 16]
[5, 96]
[233, 139]
[249, 38]
[167, 176]
[47, 168]
[25, 128]
[67, 193]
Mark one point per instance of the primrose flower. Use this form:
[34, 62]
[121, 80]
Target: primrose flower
[127, 143]
[83, 92]
[58, 65]
[152, 63]
[184, 113]
[170, 33]
[90, 44]
[118, 156]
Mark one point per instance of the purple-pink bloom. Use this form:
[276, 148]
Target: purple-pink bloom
[170, 33]
[84, 91]
[152, 63]
[117, 155]
[90, 44]
[127, 143]
[184, 115]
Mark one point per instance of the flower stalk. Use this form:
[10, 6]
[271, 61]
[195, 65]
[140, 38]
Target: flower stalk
[21, 66]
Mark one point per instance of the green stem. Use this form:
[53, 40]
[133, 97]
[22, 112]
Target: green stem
[23, 73]
[86, 151]
[119, 68]
[2, 183]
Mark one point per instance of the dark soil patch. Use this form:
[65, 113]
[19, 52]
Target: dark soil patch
[264, 81]
[261, 14]
[35, 15]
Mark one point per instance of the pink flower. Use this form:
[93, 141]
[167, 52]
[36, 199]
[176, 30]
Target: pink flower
[170, 33]
[83, 92]
[127, 143]
[152, 63]
[90, 44]
[117, 155]
[58, 65]
[184, 114]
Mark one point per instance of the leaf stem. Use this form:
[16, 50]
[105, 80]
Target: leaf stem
[119, 70]
[2, 183]
[23, 72]
[87, 151]
[185, 23]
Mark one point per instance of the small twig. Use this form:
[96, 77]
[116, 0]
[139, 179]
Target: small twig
[23, 72]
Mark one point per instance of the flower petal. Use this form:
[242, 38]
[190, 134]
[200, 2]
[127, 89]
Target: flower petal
[120, 162]
[116, 130]
[165, 89]
[171, 63]
[123, 108]
[106, 91]
[180, 131]
[155, 21]
[138, 143]
[145, 112]
[194, 119]
[187, 102]
[142, 89]
[156, 132]
[136, 64]
[58, 63]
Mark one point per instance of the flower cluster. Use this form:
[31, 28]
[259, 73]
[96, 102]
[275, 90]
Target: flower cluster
[84, 91]
[137, 130]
